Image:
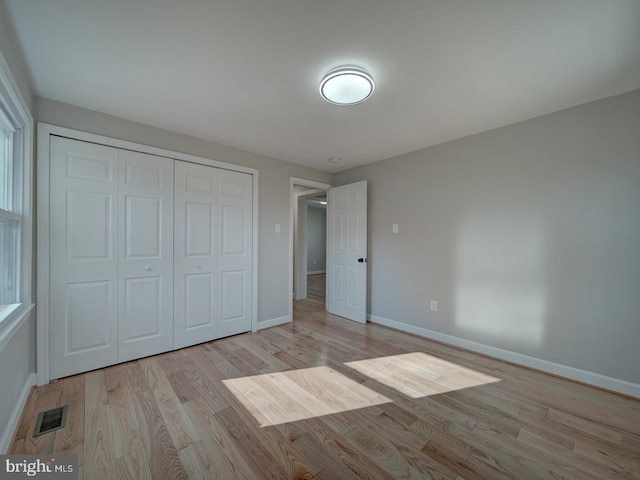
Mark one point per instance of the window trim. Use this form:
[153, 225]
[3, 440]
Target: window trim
[15, 107]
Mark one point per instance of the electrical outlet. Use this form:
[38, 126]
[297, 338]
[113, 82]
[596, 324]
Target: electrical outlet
[434, 305]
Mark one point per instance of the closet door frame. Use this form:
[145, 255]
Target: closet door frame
[45, 131]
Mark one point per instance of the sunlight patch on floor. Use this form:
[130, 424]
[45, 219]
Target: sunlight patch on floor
[418, 374]
[283, 397]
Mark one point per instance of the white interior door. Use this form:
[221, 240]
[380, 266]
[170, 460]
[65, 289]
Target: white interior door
[196, 280]
[347, 251]
[145, 283]
[235, 264]
[83, 252]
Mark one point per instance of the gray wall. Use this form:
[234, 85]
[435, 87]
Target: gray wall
[316, 238]
[18, 357]
[273, 275]
[17, 363]
[14, 61]
[528, 236]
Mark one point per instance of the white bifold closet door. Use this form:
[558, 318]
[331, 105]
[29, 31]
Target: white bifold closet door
[145, 255]
[142, 262]
[213, 267]
[83, 229]
[111, 250]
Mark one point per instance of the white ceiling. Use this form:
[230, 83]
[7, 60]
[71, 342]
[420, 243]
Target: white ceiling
[245, 73]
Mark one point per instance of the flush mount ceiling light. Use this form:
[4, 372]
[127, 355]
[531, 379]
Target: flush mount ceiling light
[346, 86]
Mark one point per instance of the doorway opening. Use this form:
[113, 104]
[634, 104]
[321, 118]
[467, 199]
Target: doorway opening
[307, 252]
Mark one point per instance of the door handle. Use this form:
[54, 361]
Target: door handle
[362, 260]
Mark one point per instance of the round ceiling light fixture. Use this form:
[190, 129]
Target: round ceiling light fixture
[346, 86]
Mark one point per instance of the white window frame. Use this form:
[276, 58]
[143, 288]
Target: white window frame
[19, 116]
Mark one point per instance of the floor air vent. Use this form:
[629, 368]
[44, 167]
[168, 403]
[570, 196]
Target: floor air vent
[51, 420]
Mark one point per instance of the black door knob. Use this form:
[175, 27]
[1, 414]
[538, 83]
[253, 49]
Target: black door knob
[361, 260]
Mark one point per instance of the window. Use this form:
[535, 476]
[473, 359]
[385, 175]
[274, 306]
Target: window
[16, 126]
[9, 221]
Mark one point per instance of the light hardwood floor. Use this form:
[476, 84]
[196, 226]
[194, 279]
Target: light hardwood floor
[316, 286]
[325, 398]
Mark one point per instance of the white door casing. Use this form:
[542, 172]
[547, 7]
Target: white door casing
[84, 263]
[145, 253]
[347, 251]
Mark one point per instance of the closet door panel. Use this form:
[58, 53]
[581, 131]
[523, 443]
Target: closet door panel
[196, 276]
[83, 261]
[145, 307]
[199, 303]
[235, 252]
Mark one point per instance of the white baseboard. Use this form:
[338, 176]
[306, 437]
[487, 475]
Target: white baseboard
[584, 376]
[316, 272]
[12, 424]
[274, 322]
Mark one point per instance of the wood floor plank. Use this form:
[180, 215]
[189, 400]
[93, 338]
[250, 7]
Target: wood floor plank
[115, 376]
[199, 464]
[220, 446]
[27, 416]
[124, 428]
[70, 440]
[95, 389]
[333, 389]
[243, 359]
[406, 442]
[133, 466]
[169, 362]
[206, 378]
[587, 467]
[255, 453]
[164, 461]
[494, 454]
[381, 451]
[631, 442]
[181, 386]
[99, 458]
[17, 447]
[339, 448]
[180, 427]
[321, 458]
[610, 457]
[263, 350]
[212, 391]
